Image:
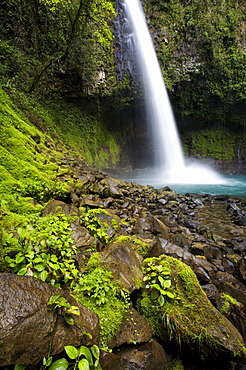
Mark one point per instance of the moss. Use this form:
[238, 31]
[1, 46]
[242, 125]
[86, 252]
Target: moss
[189, 317]
[141, 246]
[101, 294]
[228, 301]
[211, 143]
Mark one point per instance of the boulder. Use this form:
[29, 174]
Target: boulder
[125, 264]
[134, 329]
[148, 356]
[56, 206]
[30, 330]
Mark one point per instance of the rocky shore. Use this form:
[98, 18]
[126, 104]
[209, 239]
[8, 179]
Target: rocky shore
[193, 246]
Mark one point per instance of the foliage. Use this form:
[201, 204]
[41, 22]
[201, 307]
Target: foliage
[47, 252]
[101, 294]
[81, 358]
[157, 280]
[139, 244]
[190, 319]
[94, 225]
[228, 301]
[59, 41]
[201, 52]
[56, 301]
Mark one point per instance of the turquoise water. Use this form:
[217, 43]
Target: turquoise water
[231, 185]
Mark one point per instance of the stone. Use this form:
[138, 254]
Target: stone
[125, 264]
[30, 330]
[148, 356]
[134, 329]
[56, 206]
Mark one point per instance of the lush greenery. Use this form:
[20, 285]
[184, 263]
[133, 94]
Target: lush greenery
[176, 307]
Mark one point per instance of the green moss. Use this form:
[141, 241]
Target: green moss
[211, 143]
[228, 301]
[139, 244]
[189, 319]
[101, 294]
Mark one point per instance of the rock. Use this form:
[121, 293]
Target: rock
[83, 239]
[134, 329]
[149, 356]
[236, 291]
[125, 263]
[242, 269]
[30, 330]
[56, 206]
[191, 318]
[202, 268]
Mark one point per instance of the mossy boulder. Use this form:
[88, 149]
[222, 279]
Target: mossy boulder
[184, 314]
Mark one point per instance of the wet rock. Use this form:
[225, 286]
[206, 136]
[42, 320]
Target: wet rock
[83, 239]
[202, 268]
[134, 329]
[211, 292]
[149, 356]
[56, 206]
[235, 290]
[125, 263]
[25, 319]
[242, 269]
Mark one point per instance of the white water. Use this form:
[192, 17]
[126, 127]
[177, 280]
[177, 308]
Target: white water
[169, 157]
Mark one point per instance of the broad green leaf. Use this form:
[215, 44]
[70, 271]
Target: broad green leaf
[20, 367]
[39, 267]
[83, 350]
[95, 351]
[170, 295]
[74, 310]
[43, 275]
[72, 352]
[156, 286]
[83, 364]
[167, 284]
[61, 364]
[154, 294]
[37, 259]
[161, 300]
[54, 298]
[161, 280]
[22, 271]
[8, 259]
[69, 319]
[19, 258]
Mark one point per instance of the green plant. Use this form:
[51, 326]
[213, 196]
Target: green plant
[157, 281]
[47, 251]
[84, 358]
[97, 285]
[94, 225]
[56, 301]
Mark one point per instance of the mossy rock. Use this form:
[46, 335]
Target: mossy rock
[186, 315]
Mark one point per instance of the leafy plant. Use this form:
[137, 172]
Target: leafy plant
[48, 251]
[83, 358]
[157, 280]
[97, 285]
[96, 227]
[59, 302]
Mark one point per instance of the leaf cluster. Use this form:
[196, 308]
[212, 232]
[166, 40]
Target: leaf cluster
[158, 281]
[47, 251]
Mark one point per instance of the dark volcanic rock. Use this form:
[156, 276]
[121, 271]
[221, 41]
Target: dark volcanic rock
[29, 330]
[149, 356]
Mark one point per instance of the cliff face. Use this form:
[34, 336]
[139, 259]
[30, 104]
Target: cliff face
[67, 52]
[201, 49]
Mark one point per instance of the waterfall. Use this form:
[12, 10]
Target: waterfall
[169, 158]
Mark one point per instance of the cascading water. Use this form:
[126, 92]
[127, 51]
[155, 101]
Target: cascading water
[169, 159]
